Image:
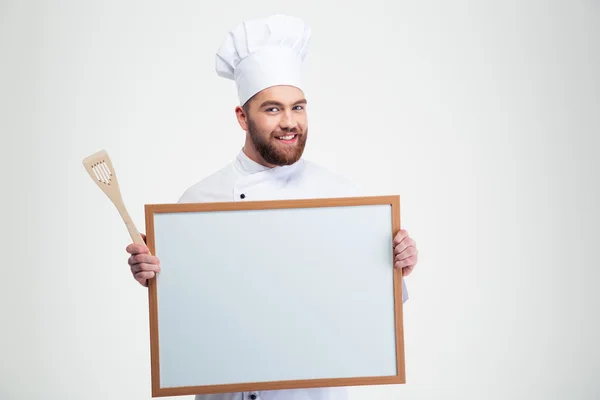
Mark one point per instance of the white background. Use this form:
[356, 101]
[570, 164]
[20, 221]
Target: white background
[483, 116]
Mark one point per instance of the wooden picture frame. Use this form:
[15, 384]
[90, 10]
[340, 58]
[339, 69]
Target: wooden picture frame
[241, 281]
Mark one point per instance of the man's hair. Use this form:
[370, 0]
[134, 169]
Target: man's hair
[246, 105]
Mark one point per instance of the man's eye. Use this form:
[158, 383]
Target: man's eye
[299, 107]
[272, 109]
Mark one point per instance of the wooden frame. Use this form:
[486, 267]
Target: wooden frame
[154, 211]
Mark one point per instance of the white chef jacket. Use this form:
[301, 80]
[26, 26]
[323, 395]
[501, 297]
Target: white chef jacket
[246, 180]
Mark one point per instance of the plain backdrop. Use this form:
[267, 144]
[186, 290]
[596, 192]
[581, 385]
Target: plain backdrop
[483, 116]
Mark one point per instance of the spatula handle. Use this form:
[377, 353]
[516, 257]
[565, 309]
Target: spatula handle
[134, 233]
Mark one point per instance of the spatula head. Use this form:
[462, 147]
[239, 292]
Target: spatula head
[100, 168]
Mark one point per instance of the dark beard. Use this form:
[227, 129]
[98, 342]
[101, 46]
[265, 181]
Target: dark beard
[270, 153]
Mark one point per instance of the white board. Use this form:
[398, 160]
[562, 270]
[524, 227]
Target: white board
[272, 295]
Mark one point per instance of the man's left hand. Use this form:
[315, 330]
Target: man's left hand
[405, 252]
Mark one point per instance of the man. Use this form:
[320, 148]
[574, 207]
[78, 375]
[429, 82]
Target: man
[264, 57]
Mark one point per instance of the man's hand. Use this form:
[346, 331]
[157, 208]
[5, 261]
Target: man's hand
[405, 253]
[143, 265]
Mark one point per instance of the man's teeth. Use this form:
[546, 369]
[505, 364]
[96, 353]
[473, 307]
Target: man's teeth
[289, 137]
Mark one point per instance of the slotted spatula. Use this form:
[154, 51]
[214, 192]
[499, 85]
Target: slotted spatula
[100, 168]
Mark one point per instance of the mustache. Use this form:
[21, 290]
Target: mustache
[294, 131]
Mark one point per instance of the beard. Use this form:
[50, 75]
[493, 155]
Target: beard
[274, 153]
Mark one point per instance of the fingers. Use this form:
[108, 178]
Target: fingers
[137, 268]
[135, 248]
[407, 265]
[405, 253]
[407, 262]
[143, 258]
[400, 236]
[143, 262]
[402, 252]
[142, 277]
[143, 265]
[143, 271]
[407, 270]
[406, 245]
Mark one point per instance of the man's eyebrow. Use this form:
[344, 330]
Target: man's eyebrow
[277, 103]
[271, 103]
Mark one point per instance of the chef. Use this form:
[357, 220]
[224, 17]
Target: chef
[264, 57]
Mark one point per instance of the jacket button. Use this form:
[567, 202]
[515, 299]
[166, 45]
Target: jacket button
[242, 196]
[253, 396]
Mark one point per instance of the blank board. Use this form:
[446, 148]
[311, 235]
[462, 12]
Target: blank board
[267, 295]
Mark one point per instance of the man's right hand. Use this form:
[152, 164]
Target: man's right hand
[143, 265]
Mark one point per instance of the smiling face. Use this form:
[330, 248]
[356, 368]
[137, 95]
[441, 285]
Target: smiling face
[276, 125]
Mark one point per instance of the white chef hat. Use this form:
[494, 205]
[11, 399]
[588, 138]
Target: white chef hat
[261, 53]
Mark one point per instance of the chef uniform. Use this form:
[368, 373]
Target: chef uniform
[258, 54]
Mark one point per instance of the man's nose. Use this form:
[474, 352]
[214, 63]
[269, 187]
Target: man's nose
[287, 121]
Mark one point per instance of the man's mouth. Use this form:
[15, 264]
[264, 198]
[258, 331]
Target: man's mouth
[287, 138]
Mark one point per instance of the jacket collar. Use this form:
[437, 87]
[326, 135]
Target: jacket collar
[247, 166]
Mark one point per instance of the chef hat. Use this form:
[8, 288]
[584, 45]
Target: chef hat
[261, 53]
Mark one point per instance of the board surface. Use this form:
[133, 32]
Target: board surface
[274, 295]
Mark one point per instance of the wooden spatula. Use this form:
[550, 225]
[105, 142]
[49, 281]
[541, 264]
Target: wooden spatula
[100, 168]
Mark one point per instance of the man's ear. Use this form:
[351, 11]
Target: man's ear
[241, 117]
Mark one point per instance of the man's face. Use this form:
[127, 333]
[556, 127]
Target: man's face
[277, 124]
